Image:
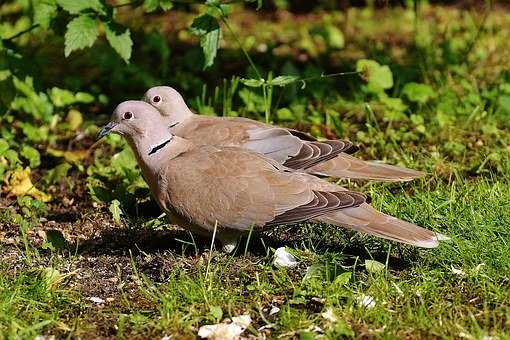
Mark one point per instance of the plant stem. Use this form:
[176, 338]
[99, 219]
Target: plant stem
[331, 75]
[22, 32]
[225, 21]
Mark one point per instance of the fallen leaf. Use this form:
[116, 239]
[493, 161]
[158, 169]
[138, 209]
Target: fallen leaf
[70, 156]
[373, 266]
[284, 259]
[225, 331]
[20, 185]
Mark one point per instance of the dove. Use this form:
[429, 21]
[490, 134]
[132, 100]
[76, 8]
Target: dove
[291, 148]
[226, 191]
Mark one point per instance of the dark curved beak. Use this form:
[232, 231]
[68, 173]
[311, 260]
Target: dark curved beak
[106, 129]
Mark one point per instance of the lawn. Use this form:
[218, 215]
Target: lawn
[85, 252]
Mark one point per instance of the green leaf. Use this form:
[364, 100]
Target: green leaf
[120, 39]
[208, 29]
[81, 32]
[150, 5]
[335, 37]
[216, 312]
[4, 146]
[37, 104]
[60, 171]
[285, 114]
[7, 91]
[378, 77]
[61, 97]
[282, 80]
[342, 279]
[373, 266]
[74, 118]
[418, 93]
[84, 97]
[44, 12]
[166, 4]
[115, 210]
[253, 82]
[32, 155]
[77, 6]
[12, 157]
[56, 239]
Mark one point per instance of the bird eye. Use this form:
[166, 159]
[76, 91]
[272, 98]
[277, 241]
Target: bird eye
[156, 99]
[128, 115]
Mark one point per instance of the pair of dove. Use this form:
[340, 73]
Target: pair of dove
[230, 175]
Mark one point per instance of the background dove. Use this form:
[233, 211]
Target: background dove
[291, 148]
[237, 189]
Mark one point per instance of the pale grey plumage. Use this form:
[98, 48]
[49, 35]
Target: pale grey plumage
[236, 189]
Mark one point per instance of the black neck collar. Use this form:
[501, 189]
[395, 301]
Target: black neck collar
[159, 147]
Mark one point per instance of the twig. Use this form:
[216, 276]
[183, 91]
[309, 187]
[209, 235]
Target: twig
[22, 32]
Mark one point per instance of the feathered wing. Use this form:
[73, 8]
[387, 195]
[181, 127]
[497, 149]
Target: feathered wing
[330, 158]
[294, 149]
[347, 166]
[240, 189]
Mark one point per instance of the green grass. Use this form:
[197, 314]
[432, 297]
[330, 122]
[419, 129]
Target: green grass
[156, 280]
[418, 294]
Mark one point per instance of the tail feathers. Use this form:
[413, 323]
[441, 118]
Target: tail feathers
[347, 166]
[368, 220]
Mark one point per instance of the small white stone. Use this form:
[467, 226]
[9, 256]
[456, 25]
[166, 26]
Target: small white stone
[96, 300]
[458, 272]
[274, 310]
[284, 259]
[366, 301]
[329, 315]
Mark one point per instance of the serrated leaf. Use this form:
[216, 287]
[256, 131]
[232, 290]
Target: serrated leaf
[81, 32]
[120, 39]
[208, 29]
[150, 5]
[373, 266]
[282, 80]
[252, 82]
[115, 210]
[77, 6]
[44, 12]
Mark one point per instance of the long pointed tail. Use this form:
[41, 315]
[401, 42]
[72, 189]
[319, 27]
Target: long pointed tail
[368, 220]
[347, 166]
